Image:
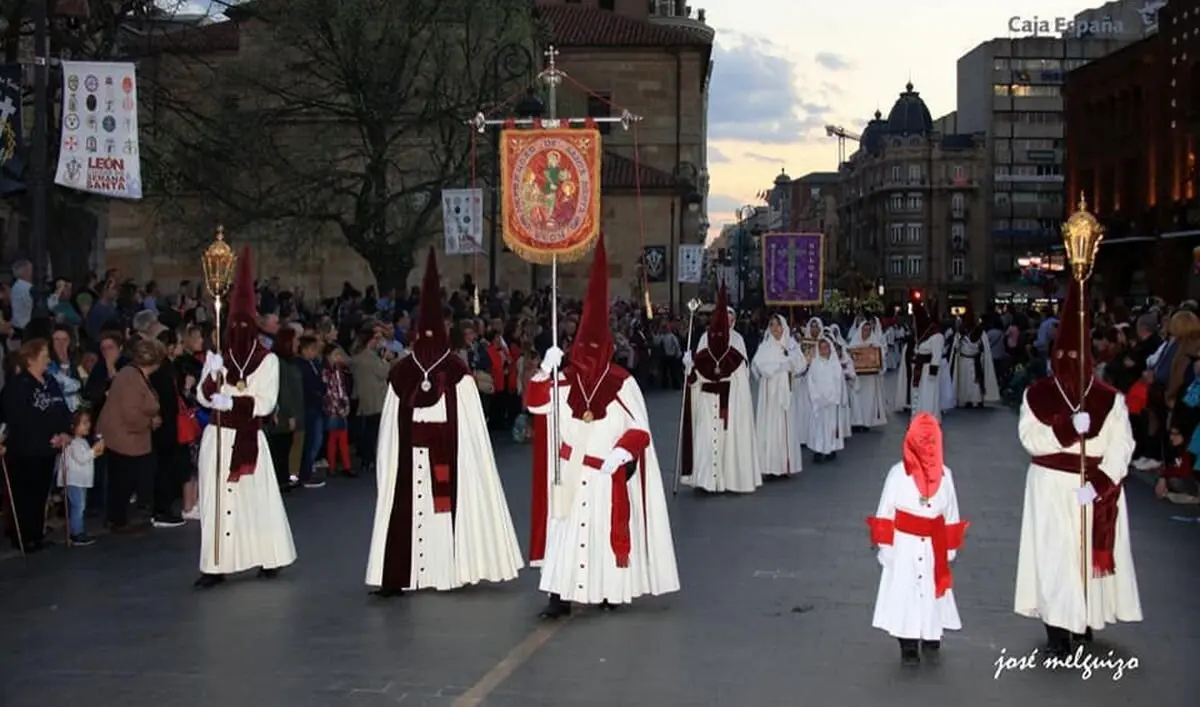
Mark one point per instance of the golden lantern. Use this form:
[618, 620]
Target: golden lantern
[218, 262]
[1082, 234]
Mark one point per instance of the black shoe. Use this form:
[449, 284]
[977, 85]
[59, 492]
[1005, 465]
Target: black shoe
[82, 540]
[1085, 637]
[832, 456]
[384, 593]
[168, 521]
[556, 609]
[264, 573]
[208, 581]
[932, 650]
[909, 653]
[606, 605]
[1058, 642]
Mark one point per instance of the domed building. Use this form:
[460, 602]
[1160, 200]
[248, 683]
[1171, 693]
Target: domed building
[909, 208]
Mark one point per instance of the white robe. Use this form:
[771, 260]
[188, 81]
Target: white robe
[901, 393]
[579, 565]
[801, 405]
[926, 397]
[478, 542]
[849, 389]
[970, 354]
[868, 407]
[907, 605]
[946, 371]
[777, 363]
[1049, 585]
[826, 384]
[253, 523]
[724, 456]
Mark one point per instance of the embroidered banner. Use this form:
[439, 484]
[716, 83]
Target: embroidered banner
[654, 260]
[12, 139]
[792, 272]
[99, 150]
[691, 264]
[550, 184]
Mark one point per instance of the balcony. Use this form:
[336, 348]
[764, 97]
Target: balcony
[677, 13]
[958, 244]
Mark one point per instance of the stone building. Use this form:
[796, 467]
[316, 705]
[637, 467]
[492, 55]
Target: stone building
[814, 210]
[654, 62]
[908, 209]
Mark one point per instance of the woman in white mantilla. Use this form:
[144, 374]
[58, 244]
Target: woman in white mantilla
[777, 363]
[868, 405]
[826, 386]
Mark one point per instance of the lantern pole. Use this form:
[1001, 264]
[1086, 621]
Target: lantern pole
[217, 263]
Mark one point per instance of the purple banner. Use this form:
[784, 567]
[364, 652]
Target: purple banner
[792, 272]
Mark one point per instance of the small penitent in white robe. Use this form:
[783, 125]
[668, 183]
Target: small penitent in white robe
[901, 401]
[845, 429]
[582, 559]
[974, 371]
[438, 538]
[924, 391]
[868, 406]
[776, 364]
[800, 403]
[253, 525]
[826, 385]
[722, 446]
[1049, 581]
[918, 537]
[946, 390]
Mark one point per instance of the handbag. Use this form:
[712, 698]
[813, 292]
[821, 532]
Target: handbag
[187, 427]
[485, 382]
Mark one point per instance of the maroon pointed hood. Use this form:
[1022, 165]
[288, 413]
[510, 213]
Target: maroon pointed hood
[431, 339]
[1066, 359]
[592, 350]
[241, 330]
[719, 325]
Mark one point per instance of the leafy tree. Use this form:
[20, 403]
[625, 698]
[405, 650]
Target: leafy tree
[78, 29]
[336, 118]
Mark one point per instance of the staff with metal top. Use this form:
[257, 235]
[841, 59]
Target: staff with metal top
[218, 263]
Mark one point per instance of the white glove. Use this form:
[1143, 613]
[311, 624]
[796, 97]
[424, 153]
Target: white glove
[687, 361]
[213, 363]
[1085, 494]
[884, 555]
[221, 403]
[1082, 422]
[552, 360]
[616, 459]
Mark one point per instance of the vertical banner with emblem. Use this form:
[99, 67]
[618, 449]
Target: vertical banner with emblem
[12, 142]
[691, 264]
[792, 268]
[99, 152]
[462, 221]
[654, 262]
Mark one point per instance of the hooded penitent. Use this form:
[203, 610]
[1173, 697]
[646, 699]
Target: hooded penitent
[420, 380]
[720, 324]
[923, 453]
[715, 363]
[595, 381]
[923, 324]
[1054, 400]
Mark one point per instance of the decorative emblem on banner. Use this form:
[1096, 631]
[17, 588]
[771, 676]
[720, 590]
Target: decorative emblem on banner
[691, 264]
[462, 221]
[792, 268]
[550, 205]
[11, 136]
[107, 130]
[654, 260]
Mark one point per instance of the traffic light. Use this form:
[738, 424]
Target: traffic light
[916, 295]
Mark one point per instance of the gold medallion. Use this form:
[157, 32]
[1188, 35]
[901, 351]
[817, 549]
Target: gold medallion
[241, 386]
[588, 417]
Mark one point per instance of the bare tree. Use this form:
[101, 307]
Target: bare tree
[348, 120]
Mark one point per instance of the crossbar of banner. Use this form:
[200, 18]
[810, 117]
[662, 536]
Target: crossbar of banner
[482, 123]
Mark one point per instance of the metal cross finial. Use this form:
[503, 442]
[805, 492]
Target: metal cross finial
[1082, 201]
[552, 75]
[551, 55]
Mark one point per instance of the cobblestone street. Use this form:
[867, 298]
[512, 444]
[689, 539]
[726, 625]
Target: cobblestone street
[776, 605]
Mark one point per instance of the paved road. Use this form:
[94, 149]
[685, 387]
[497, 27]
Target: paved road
[778, 590]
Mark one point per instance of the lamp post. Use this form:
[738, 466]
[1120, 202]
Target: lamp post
[512, 62]
[744, 214]
[40, 166]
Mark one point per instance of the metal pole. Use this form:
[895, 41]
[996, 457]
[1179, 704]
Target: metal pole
[494, 209]
[672, 258]
[551, 77]
[40, 154]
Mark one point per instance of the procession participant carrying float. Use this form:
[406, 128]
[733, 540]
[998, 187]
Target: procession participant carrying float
[550, 191]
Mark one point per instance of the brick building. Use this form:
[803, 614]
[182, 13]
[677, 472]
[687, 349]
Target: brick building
[813, 200]
[653, 61]
[1132, 120]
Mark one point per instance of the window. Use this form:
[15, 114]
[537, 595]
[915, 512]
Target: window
[958, 236]
[913, 202]
[896, 203]
[1001, 172]
[958, 174]
[914, 266]
[958, 267]
[912, 234]
[896, 266]
[600, 106]
[1001, 198]
[914, 173]
[957, 204]
[897, 173]
[896, 234]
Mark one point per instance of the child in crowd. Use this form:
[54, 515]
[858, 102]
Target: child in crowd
[77, 474]
[314, 409]
[337, 411]
[1177, 480]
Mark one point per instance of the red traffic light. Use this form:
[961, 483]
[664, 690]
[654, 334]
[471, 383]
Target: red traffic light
[916, 295]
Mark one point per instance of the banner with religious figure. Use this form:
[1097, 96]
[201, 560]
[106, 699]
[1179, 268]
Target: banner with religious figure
[12, 139]
[792, 268]
[99, 150]
[550, 192]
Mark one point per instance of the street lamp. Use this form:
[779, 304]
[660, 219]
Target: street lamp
[512, 62]
[879, 289]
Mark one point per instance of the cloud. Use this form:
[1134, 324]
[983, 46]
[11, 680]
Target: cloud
[723, 204]
[757, 157]
[833, 62]
[757, 95]
[715, 156]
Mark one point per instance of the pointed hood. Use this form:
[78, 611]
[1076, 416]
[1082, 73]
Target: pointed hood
[923, 324]
[1067, 360]
[923, 453]
[431, 338]
[592, 351]
[720, 324]
[241, 331]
